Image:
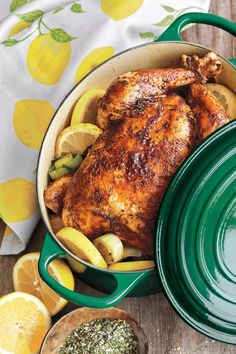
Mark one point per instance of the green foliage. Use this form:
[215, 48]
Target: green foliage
[145, 35]
[31, 16]
[59, 35]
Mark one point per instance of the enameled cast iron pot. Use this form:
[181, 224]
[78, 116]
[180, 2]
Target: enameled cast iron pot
[165, 51]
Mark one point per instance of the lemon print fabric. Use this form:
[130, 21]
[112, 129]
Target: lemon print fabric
[17, 200]
[93, 59]
[47, 59]
[18, 27]
[119, 9]
[31, 119]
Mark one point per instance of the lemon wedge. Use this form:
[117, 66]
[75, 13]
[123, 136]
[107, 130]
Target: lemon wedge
[110, 246]
[85, 110]
[26, 278]
[81, 246]
[77, 138]
[24, 323]
[129, 266]
[226, 97]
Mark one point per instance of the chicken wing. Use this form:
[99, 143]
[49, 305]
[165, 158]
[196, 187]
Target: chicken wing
[55, 192]
[209, 113]
[120, 184]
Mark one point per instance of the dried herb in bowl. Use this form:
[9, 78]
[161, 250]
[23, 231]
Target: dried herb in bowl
[101, 336]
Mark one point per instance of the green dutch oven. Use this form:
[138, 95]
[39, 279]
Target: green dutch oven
[195, 230]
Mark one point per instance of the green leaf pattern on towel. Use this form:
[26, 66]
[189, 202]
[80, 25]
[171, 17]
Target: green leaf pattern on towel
[15, 4]
[77, 8]
[58, 34]
[31, 16]
[168, 19]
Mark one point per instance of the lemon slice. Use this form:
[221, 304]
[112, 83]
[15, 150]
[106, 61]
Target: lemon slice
[110, 246]
[24, 322]
[76, 139]
[26, 278]
[85, 110]
[134, 265]
[81, 246]
[226, 97]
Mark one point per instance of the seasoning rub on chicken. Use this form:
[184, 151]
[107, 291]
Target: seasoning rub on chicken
[148, 132]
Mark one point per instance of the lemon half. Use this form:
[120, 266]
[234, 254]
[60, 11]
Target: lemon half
[24, 323]
[26, 278]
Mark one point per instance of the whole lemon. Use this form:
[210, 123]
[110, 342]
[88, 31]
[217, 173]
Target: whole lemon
[17, 200]
[119, 9]
[47, 59]
[93, 59]
[31, 119]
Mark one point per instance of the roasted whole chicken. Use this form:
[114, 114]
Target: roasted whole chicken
[149, 129]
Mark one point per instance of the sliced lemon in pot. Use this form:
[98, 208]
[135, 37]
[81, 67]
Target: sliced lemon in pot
[77, 138]
[81, 246]
[110, 246]
[134, 265]
[85, 110]
[226, 97]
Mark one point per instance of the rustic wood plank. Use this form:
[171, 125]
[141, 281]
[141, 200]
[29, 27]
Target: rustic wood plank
[167, 333]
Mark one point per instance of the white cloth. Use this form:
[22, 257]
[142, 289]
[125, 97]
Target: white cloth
[28, 96]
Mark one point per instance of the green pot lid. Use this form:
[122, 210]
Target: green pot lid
[196, 237]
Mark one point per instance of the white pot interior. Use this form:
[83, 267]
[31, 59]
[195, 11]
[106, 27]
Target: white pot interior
[153, 55]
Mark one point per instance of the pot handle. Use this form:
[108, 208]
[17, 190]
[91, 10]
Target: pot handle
[125, 282]
[172, 33]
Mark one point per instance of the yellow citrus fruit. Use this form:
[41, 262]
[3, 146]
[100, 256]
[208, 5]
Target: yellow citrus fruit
[119, 9]
[226, 97]
[26, 278]
[81, 246]
[24, 322]
[17, 200]
[7, 231]
[31, 119]
[76, 138]
[93, 59]
[133, 265]
[85, 110]
[47, 59]
[20, 26]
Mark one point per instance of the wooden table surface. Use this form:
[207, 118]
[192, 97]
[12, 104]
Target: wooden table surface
[167, 333]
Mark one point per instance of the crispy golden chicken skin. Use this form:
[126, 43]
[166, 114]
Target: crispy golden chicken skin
[120, 184]
[131, 92]
[55, 192]
[149, 131]
[209, 112]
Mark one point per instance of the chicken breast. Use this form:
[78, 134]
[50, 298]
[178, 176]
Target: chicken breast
[119, 186]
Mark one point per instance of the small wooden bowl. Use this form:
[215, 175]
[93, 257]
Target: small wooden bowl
[57, 334]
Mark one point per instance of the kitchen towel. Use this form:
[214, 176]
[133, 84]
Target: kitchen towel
[46, 47]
